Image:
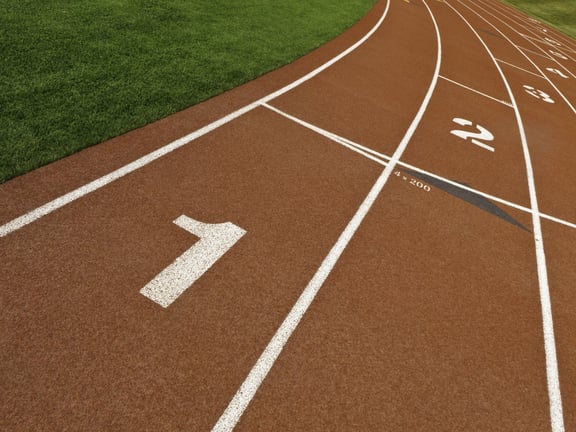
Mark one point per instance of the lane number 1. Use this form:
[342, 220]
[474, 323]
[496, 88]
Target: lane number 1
[477, 137]
[215, 241]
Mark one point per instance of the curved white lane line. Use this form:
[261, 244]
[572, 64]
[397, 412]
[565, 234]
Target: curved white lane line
[521, 16]
[531, 39]
[94, 185]
[523, 53]
[250, 386]
[555, 398]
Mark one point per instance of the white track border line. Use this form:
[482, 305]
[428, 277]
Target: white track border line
[264, 364]
[554, 395]
[380, 158]
[94, 185]
[547, 56]
[478, 92]
[522, 69]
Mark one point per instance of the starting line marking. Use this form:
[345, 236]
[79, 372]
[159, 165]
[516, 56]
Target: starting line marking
[476, 91]
[381, 158]
[519, 68]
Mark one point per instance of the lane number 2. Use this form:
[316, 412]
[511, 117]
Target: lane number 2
[215, 241]
[476, 137]
[538, 94]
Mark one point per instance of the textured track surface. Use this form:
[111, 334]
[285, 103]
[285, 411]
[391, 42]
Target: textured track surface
[407, 196]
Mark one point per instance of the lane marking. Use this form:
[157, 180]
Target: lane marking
[520, 20]
[380, 158]
[524, 54]
[546, 41]
[215, 241]
[250, 386]
[518, 67]
[554, 395]
[547, 57]
[531, 39]
[557, 72]
[332, 136]
[481, 134]
[476, 91]
[538, 94]
[94, 185]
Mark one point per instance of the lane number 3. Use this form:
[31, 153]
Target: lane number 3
[215, 241]
[477, 137]
[538, 94]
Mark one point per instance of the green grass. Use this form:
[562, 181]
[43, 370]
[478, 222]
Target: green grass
[560, 14]
[75, 73]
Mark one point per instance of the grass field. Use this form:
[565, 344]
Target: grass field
[75, 73]
[558, 13]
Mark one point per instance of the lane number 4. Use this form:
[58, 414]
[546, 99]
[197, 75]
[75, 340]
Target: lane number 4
[538, 94]
[477, 137]
[215, 241]
[557, 72]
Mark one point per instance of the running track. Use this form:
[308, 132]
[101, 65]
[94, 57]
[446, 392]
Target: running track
[400, 253]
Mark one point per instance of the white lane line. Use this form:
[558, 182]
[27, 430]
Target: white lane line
[250, 386]
[476, 91]
[519, 68]
[544, 42]
[538, 35]
[380, 158]
[346, 143]
[531, 51]
[524, 54]
[554, 395]
[63, 200]
[533, 23]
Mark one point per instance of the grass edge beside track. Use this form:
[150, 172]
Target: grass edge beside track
[76, 74]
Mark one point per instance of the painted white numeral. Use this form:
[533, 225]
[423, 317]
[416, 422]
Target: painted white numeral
[557, 72]
[557, 54]
[215, 241]
[483, 134]
[538, 94]
[552, 41]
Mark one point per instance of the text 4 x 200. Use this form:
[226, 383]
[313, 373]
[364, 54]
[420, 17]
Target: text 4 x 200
[413, 181]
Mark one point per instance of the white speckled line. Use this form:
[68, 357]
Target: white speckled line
[94, 185]
[260, 370]
[554, 395]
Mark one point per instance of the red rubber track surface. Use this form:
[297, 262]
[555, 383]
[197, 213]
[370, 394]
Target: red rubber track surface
[433, 314]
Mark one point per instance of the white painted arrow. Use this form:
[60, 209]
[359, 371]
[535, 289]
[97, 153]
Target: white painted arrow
[215, 241]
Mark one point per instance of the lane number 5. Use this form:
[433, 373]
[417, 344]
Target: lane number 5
[215, 241]
[477, 137]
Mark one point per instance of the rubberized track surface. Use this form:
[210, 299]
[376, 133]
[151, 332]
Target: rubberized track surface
[401, 256]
